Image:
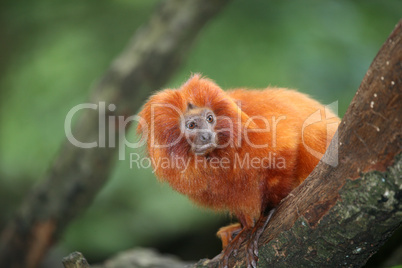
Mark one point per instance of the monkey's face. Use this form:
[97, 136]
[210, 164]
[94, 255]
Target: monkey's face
[198, 127]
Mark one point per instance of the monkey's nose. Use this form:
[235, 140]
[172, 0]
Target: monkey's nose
[206, 137]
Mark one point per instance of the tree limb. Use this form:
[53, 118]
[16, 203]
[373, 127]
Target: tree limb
[75, 260]
[142, 258]
[77, 174]
[342, 215]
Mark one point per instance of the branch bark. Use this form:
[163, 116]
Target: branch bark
[342, 215]
[75, 260]
[139, 258]
[77, 174]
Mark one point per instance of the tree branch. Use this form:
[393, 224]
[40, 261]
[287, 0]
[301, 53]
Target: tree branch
[75, 260]
[342, 215]
[77, 174]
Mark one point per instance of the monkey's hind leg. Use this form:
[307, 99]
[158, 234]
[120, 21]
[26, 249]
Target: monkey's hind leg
[233, 246]
[252, 244]
[227, 233]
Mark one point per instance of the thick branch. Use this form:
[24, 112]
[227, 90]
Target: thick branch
[77, 174]
[342, 215]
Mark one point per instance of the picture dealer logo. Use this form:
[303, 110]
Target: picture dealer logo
[111, 133]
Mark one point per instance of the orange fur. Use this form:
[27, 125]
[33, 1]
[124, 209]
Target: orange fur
[246, 119]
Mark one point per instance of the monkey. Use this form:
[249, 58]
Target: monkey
[239, 150]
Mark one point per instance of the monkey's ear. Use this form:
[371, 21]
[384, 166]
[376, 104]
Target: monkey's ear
[190, 106]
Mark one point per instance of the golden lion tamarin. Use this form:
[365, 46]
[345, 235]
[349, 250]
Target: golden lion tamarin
[240, 151]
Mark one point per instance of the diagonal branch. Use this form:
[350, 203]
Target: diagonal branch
[342, 215]
[77, 174]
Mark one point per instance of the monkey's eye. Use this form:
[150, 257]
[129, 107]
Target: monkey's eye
[191, 125]
[210, 118]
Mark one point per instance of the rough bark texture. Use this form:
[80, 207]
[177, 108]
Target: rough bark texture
[142, 258]
[77, 174]
[341, 215]
[138, 258]
[75, 260]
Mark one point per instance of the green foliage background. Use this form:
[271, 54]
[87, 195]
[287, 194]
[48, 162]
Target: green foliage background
[51, 52]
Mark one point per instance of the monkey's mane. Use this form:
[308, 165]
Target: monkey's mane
[161, 116]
